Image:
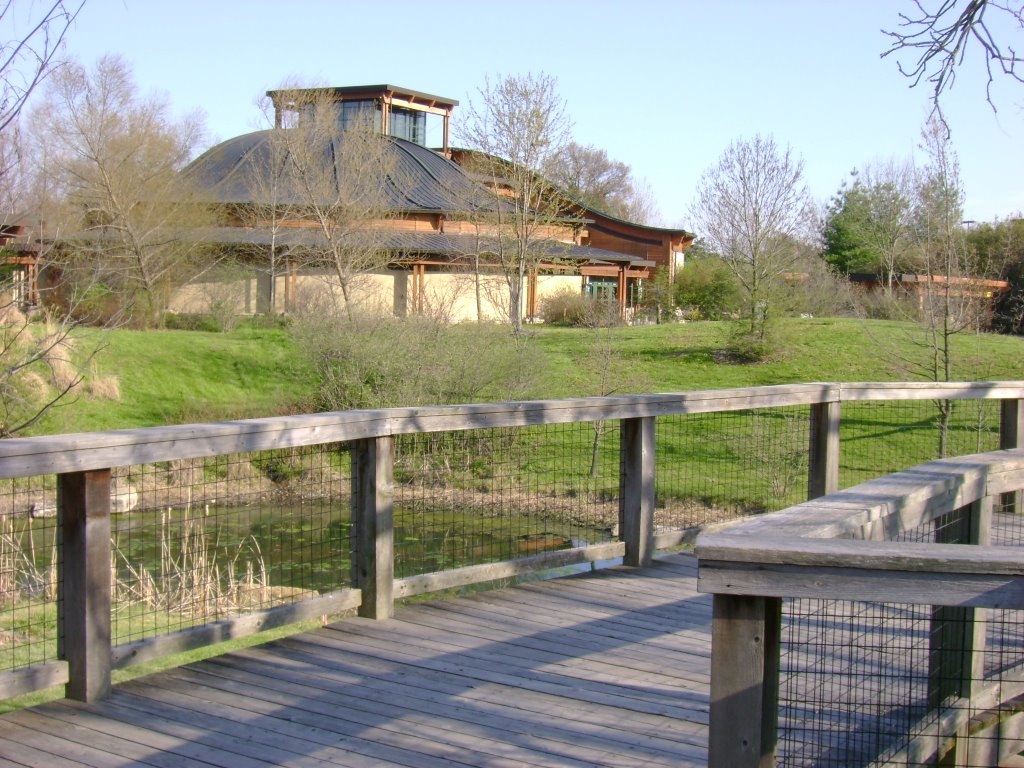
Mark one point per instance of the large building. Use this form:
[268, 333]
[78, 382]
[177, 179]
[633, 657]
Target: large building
[435, 233]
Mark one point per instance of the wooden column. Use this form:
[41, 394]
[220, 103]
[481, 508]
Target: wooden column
[637, 490]
[744, 681]
[1011, 435]
[419, 282]
[823, 459]
[373, 520]
[83, 581]
[957, 636]
[621, 292]
[290, 287]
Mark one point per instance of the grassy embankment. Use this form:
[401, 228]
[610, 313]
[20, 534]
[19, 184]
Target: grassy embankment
[187, 376]
[170, 377]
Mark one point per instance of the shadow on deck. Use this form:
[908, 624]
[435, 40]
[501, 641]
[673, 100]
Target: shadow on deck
[607, 668]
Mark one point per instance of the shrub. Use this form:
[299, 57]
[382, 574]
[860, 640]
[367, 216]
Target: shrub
[745, 347]
[97, 305]
[193, 321]
[707, 285]
[569, 307]
[565, 307]
[376, 362]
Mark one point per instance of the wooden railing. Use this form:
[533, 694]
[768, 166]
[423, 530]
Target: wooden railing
[840, 547]
[83, 464]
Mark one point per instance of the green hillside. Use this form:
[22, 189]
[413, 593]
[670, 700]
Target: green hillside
[186, 376]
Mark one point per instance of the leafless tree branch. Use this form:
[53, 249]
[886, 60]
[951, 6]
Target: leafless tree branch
[940, 39]
[30, 56]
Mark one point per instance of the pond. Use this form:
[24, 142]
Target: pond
[308, 545]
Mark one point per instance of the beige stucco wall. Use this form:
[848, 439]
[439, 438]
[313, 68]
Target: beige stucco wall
[446, 295]
[551, 284]
[204, 296]
[317, 291]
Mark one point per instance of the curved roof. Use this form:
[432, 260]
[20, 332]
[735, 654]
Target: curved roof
[412, 243]
[420, 180]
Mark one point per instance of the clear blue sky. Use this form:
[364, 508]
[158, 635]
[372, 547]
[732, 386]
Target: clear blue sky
[661, 85]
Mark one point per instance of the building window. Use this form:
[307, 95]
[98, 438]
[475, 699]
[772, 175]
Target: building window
[409, 124]
[349, 112]
[604, 288]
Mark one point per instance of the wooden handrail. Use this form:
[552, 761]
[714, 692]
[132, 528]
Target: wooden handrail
[30, 456]
[842, 539]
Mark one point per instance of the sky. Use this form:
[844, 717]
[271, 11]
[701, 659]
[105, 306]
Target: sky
[662, 85]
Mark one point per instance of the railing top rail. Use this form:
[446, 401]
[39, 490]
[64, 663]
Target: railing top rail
[23, 457]
[843, 536]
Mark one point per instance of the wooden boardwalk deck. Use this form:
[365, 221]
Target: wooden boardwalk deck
[608, 668]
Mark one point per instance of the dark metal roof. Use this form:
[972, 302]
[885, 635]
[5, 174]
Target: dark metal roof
[422, 181]
[411, 243]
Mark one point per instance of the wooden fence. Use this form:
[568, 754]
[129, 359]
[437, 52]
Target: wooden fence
[842, 546]
[83, 464]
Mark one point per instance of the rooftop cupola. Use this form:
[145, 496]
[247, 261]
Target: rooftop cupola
[401, 112]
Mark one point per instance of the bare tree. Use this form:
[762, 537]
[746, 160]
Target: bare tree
[44, 355]
[753, 209]
[941, 36]
[31, 54]
[516, 127]
[944, 298]
[273, 206]
[344, 175]
[948, 305]
[41, 363]
[118, 155]
[588, 175]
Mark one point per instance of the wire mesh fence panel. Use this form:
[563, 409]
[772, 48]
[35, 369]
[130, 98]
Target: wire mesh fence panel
[884, 684]
[896, 685]
[880, 437]
[486, 495]
[718, 466]
[854, 681]
[199, 540]
[29, 552]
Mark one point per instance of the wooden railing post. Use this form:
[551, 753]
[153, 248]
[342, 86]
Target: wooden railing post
[373, 520]
[823, 457]
[956, 640]
[637, 489]
[83, 582]
[1011, 435]
[744, 681]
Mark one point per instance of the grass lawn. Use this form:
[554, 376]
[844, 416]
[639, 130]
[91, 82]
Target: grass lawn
[169, 377]
[674, 357]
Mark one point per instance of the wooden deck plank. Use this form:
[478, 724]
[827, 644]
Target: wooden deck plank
[552, 610]
[446, 627]
[17, 755]
[73, 750]
[194, 737]
[596, 669]
[501, 623]
[391, 725]
[440, 712]
[75, 730]
[490, 742]
[483, 666]
[380, 698]
[438, 685]
[297, 725]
